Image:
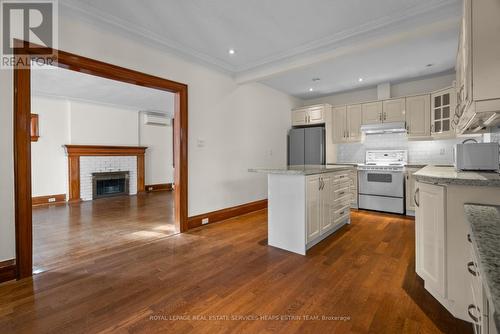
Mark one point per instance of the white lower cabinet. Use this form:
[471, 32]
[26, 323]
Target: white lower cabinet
[442, 255]
[328, 198]
[480, 310]
[430, 226]
[313, 207]
[410, 190]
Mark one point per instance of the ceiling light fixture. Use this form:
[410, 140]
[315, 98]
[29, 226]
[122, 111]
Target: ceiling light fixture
[231, 51]
[429, 65]
[311, 89]
[360, 80]
[315, 79]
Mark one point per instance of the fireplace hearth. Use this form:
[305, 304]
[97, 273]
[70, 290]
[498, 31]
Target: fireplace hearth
[107, 184]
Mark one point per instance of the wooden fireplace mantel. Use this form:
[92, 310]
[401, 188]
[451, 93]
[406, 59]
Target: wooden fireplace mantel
[74, 153]
[98, 150]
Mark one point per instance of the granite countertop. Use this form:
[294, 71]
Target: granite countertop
[302, 169]
[484, 223]
[448, 175]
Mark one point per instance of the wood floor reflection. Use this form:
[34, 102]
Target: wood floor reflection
[64, 234]
[202, 280]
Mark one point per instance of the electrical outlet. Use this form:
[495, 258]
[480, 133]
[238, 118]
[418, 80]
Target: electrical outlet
[442, 151]
[150, 188]
[52, 199]
[204, 221]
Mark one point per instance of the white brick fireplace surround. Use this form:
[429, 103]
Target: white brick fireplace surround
[89, 165]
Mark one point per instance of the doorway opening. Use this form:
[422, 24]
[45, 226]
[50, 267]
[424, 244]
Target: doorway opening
[22, 146]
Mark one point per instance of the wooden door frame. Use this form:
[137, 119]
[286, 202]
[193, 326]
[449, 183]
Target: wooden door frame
[22, 138]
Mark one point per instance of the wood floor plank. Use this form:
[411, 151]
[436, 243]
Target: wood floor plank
[200, 281]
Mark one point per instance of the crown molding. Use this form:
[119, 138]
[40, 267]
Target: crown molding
[145, 35]
[276, 68]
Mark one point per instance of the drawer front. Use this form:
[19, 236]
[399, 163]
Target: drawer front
[339, 177]
[342, 213]
[345, 200]
[340, 192]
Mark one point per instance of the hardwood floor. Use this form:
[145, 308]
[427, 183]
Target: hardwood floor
[200, 280]
[63, 234]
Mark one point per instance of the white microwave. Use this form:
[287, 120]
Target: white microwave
[477, 156]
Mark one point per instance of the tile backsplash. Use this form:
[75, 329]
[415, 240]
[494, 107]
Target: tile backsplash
[419, 152]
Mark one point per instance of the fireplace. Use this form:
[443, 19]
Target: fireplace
[107, 184]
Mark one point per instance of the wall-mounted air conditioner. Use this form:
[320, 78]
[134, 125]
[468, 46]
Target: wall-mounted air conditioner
[156, 118]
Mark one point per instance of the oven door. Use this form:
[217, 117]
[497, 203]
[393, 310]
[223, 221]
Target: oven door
[381, 183]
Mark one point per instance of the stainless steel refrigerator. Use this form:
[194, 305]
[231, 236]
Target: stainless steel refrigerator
[306, 146]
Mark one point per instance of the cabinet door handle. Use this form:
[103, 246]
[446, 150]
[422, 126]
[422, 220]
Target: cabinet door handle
[385, 116]
[471, 315]
[417, 192]
[471, 267]
[468, 238]
[380, 116]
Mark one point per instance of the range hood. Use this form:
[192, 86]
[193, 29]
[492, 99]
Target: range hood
[393, 127]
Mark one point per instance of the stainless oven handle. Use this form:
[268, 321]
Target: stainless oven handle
[417, 193]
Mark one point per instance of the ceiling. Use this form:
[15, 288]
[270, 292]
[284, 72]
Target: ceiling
[285, 43]
[66, 84]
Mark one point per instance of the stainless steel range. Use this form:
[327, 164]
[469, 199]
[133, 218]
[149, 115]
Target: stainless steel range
[381, 181]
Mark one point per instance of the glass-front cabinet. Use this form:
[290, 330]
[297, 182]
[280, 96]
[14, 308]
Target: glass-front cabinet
[443, 104]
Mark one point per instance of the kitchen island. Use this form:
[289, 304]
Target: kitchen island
[306, 204]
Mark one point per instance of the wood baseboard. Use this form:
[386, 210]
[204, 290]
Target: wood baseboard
[219, 215]
[50, 199]
[7, 270]
[158, 187]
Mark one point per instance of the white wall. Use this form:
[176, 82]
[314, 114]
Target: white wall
[94, 124]
[240, 124]
[49, 165]
[69, 122]
[406, 88]
[159, 155]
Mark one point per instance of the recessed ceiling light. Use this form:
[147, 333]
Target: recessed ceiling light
[311, 89]
[360, 80]
[231, 51]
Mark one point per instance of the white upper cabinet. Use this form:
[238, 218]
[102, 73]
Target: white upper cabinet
[310, 115]
[485, 49]
[394, 110]
[442, 106]
[372, 112]
[354, 119]
[346, 124]
[418, 116]
[299, 117]
[316, 114]
[478, 67]
[339, 126]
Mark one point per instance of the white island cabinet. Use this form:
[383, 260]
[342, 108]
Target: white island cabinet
[306, 204]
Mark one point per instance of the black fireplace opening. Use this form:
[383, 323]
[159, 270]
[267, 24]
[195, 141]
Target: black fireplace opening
[109, 184]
